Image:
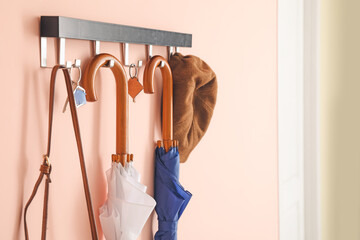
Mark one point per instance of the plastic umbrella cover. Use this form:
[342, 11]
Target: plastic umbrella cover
[170, 196]
[128, 206]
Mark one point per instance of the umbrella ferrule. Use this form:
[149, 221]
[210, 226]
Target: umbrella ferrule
[120, 158]
[167, 144]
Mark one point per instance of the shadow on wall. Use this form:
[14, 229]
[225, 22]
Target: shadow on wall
[154, 123]
[96, 174]
[31, 88]
[22, 160]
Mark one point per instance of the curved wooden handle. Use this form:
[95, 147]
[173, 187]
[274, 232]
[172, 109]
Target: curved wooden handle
[122, 102]
[167, 104]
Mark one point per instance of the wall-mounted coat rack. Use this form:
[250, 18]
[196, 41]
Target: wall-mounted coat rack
[64, 27]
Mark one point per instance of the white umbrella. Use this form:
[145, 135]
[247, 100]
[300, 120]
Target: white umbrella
[128, 206]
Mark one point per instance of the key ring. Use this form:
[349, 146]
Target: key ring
[70, 70]
[136, 70]
[75, 84]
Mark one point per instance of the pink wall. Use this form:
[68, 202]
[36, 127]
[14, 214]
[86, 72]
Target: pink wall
[232, 173]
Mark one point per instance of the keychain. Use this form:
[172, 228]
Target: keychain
[134, 86]
[79, 92]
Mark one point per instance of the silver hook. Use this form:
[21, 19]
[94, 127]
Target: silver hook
[43, 51]
[140, 63]
[110, 63]
[149, 51]
[162, 64]
[97, 47]
[69, 65]
[126, 56]
[61, 51]
[77, 63]
[170, 51]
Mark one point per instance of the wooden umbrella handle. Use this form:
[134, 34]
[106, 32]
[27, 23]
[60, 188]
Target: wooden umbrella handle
[122, 102]
[167, 104]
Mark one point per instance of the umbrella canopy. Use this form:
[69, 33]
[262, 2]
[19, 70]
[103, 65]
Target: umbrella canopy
[128, 206]
[170, 196]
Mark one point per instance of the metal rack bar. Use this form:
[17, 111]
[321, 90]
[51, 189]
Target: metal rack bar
[64, 27]
[72, 28]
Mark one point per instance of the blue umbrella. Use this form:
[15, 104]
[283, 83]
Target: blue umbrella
[170, 196]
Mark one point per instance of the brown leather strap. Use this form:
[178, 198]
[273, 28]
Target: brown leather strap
[81, 154]
[45, 168]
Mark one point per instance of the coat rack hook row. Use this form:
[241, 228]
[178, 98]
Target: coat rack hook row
[64, 27]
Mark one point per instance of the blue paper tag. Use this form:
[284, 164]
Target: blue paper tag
[80, 96]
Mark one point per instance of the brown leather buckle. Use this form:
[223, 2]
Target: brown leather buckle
[120, 158]
[45, 168]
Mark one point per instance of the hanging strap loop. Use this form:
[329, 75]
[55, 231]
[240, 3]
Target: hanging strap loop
[45, 168]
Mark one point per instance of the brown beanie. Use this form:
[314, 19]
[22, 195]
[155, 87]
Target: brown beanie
[195, 90]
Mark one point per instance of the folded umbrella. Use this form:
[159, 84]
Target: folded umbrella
[171, 198]
[127, 208]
